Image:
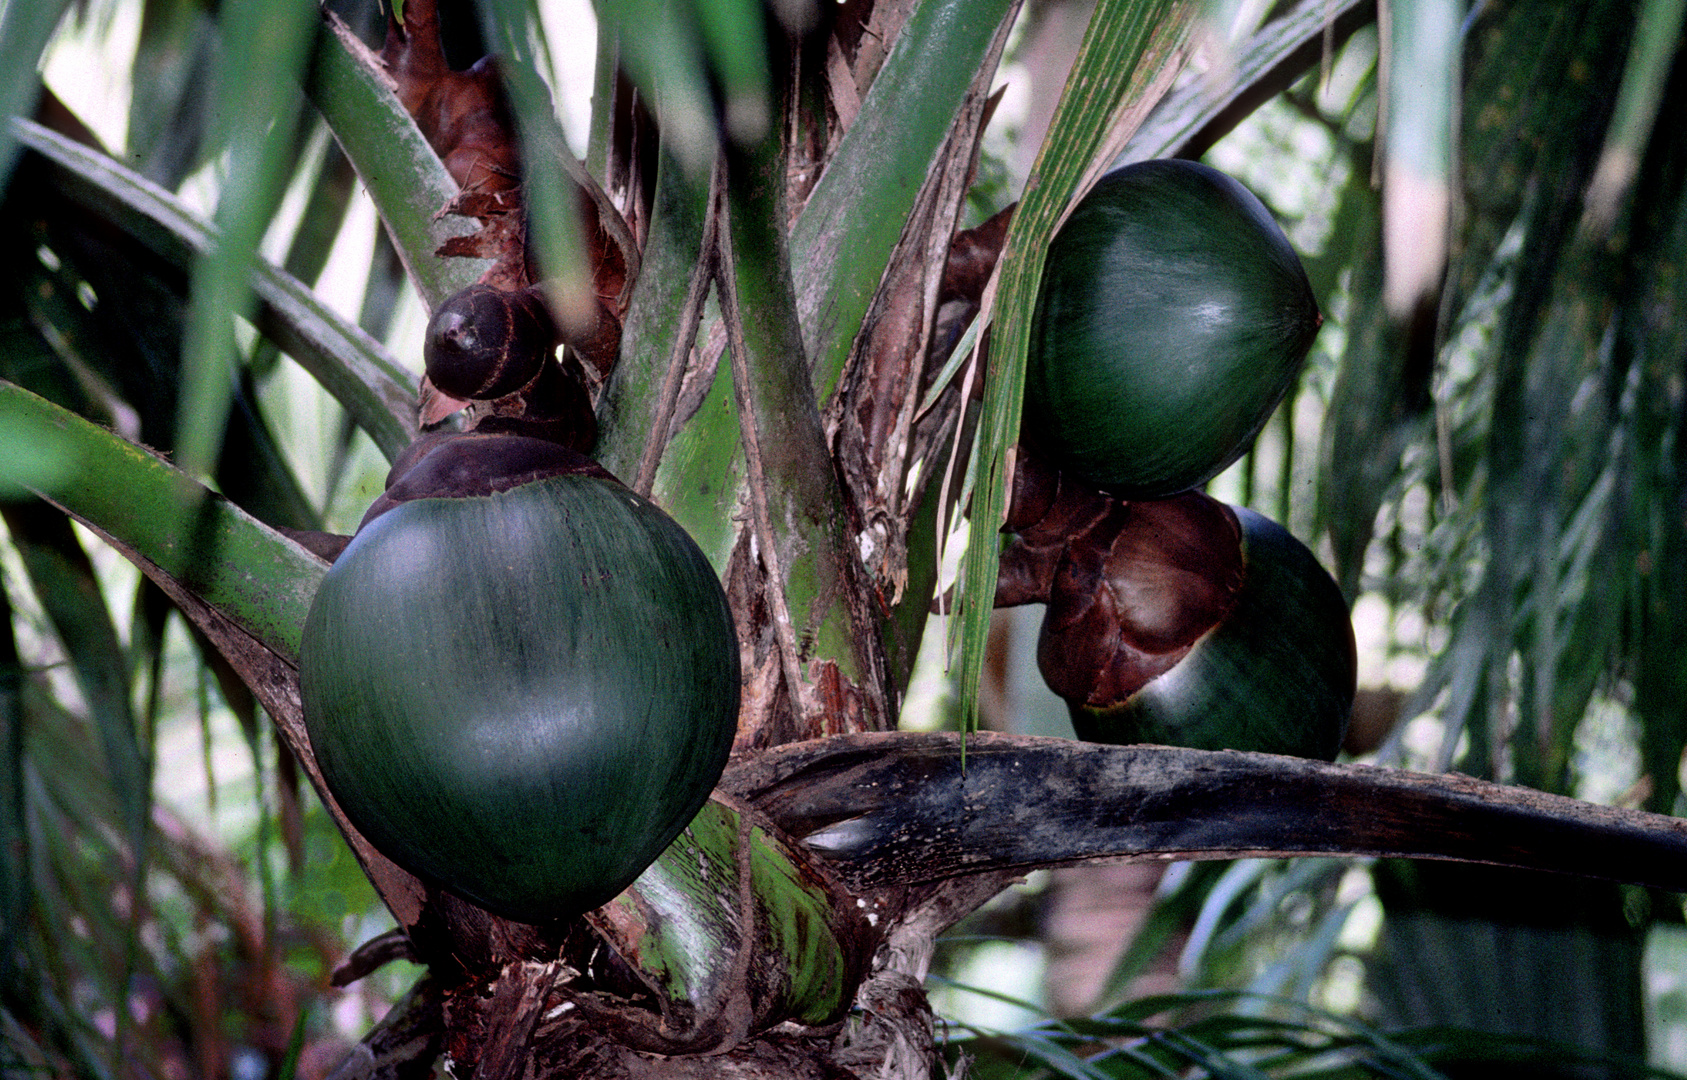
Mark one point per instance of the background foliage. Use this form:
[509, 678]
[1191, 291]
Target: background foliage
[1494, 469]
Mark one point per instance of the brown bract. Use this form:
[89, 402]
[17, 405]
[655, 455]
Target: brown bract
[972, 257]
[1130, 586]
[465, 116]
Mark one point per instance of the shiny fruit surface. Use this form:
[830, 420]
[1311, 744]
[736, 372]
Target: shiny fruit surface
[1173, 316]
[523, 696]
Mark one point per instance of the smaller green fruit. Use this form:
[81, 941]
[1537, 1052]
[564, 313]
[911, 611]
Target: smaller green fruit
[1204, 626]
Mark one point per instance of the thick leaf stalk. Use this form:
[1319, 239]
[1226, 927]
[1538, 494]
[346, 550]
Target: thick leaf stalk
[824, 642]
[846, 233]
[259, 578]
[734, 929]
[860, 206]
[637, 409]
[352, 89]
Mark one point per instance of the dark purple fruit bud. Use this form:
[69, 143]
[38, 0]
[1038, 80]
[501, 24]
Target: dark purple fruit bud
[485, 343]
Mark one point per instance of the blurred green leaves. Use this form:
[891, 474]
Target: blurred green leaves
[1421, 62]
[14, 844]
[264, 47]
[1556, 414]
[62, 576]
[1657, 37]
[1240, 1036]
[25, 30]
[345, 360]
[512, 28]
[679, 52]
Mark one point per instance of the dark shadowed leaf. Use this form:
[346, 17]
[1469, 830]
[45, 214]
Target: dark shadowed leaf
[353, 367]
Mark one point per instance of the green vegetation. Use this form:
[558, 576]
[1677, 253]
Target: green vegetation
[525, 694]
[217, 255]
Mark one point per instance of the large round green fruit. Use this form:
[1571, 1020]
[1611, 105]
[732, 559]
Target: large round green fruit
[523, 696]
[1172, 318]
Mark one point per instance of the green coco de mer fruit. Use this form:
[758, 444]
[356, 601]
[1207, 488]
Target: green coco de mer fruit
[1172, 318]
[1274, 671]
[522, 695]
